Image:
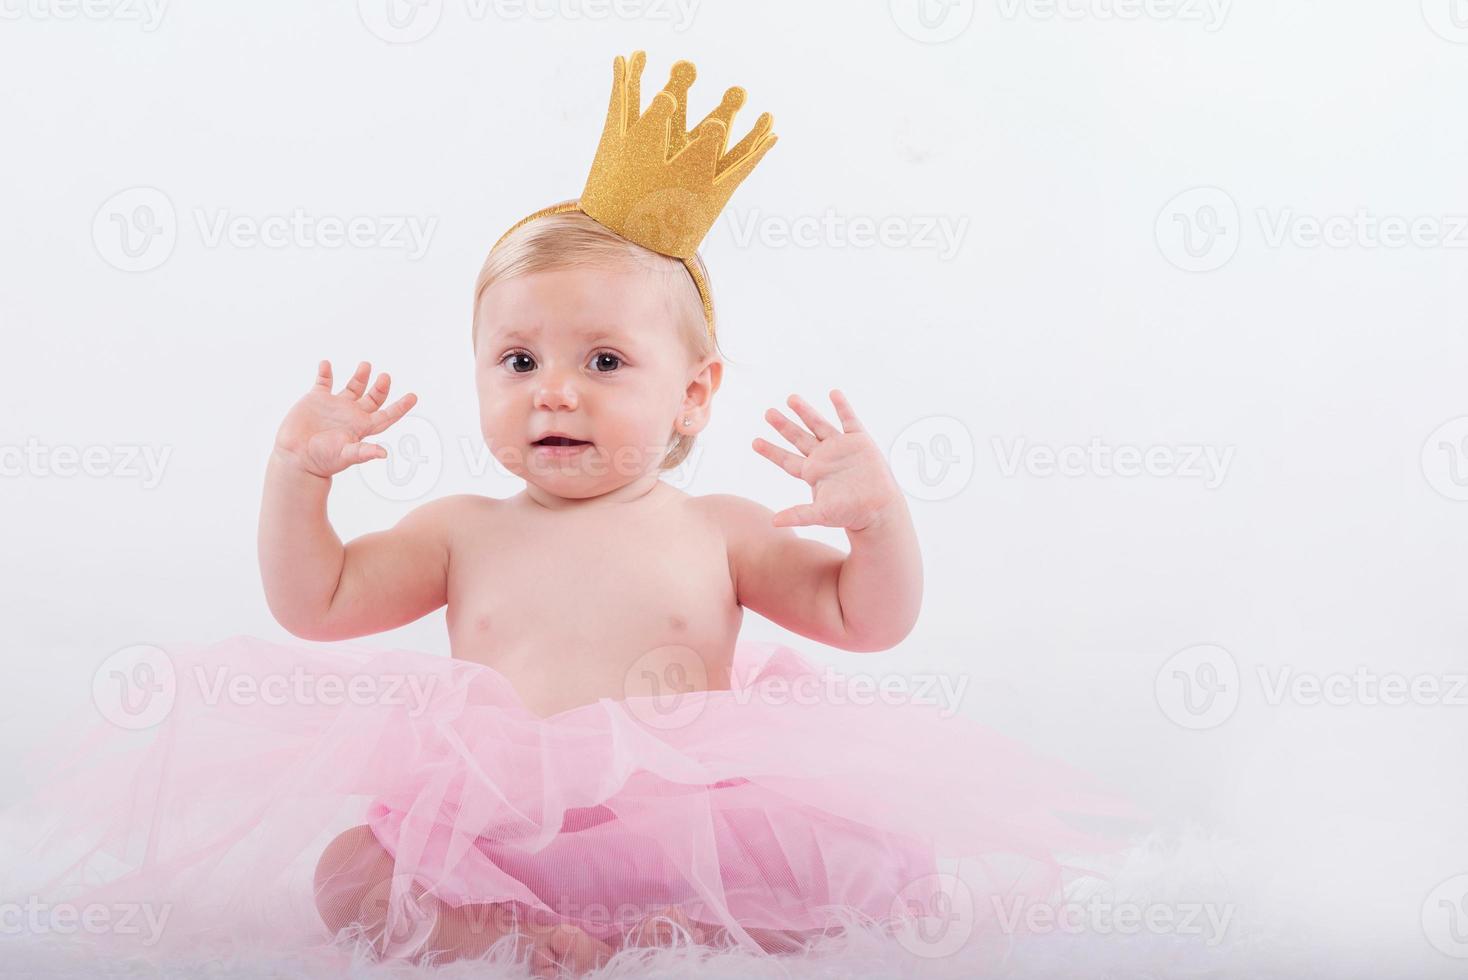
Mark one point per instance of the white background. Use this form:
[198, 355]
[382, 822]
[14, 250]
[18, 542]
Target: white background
[1056, 143]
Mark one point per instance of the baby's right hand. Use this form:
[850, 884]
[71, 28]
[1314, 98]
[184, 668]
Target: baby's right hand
[323, 432]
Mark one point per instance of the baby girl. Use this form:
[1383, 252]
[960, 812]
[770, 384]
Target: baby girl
[541, 796]
[596, 369]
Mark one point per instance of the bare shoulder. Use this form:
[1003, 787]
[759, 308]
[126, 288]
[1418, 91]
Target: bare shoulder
[442, 517]
[455, 505]
[790, 580]
[744, 525]
[735, 515]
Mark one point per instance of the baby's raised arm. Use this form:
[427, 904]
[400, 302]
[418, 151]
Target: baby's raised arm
[316, 587]
[865, 601]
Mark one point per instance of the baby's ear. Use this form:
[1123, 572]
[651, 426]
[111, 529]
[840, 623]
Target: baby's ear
[715, 369]
[708, 375]
[701, 387]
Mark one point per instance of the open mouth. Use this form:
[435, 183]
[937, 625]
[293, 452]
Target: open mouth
[560, 441]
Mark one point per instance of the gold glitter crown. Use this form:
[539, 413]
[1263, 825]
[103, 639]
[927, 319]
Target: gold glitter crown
[657, 183]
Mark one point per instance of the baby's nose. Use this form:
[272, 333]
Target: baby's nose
[556, 392]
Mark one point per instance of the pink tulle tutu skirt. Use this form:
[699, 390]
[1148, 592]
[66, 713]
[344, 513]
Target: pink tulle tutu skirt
[200, 806]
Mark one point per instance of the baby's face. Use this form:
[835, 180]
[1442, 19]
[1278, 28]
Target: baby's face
[594, 354]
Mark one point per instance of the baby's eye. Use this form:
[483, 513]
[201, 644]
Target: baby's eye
[600, 360]
[518, 357]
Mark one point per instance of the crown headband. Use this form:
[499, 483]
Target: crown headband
[656, 183]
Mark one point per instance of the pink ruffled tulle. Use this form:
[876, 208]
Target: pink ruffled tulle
[754, 810]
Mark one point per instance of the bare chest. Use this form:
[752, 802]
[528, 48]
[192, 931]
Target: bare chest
[575, 607]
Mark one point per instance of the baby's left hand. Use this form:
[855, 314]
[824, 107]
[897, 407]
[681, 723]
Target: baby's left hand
[848, 474]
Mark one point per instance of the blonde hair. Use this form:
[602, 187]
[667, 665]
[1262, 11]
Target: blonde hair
[560, 241]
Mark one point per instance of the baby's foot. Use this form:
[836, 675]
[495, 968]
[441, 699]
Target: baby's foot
[661, 928]
[566, 948]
